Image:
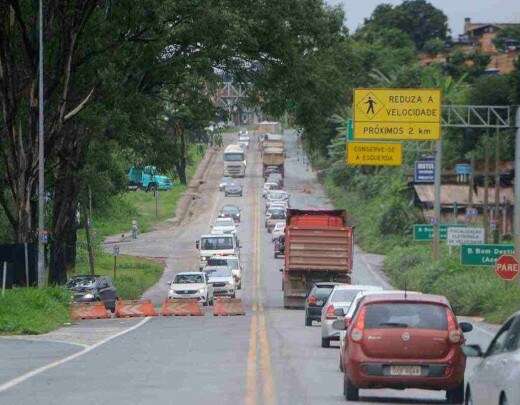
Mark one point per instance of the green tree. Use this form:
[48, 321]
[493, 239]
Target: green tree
[417, 18]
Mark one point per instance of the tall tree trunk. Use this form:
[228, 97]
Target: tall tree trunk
[181, 163]
[64, 222]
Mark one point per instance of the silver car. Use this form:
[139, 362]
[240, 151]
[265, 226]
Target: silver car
[222, 280]
[496, 378]
[191, 285]
[340, 298]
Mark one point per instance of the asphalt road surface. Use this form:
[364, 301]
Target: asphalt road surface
[266, 357]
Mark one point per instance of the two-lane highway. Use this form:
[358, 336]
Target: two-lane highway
[265, 357]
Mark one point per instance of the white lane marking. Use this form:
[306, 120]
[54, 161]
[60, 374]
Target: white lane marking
[43, 340]
[32, 373]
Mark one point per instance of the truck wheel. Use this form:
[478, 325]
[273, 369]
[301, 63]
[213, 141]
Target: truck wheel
[151, 187]
[455, 395]
[308, 321]
[325, 342]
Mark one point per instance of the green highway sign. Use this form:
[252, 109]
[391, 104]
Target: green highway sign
[483, 255]
[350, 130]
[424, 232]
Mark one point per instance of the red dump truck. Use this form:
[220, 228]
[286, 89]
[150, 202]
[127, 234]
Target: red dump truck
[318, 247]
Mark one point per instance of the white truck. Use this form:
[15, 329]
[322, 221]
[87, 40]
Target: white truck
[234, 161]
[216, 245]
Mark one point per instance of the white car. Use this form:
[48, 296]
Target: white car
[222, 280]
[279, 204]
[278, 230]
[495, 379]
[232, 262]
[276, 196]
[224, 226]
[341, 297]
[191, 285]
[268, 187]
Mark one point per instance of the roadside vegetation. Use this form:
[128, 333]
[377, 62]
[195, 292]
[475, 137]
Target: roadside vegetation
[32, 311]
[380, 201]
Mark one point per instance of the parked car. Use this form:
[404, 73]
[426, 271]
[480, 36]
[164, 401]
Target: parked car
[222, 280]
[273, 217]
[223, 182]
[495, 379]
[268, 187]
[230, 211]
[340, 298]
[191, 285]
[278, 230]
[233, 189]
[315, 300]
[404, 341]
[93, 288]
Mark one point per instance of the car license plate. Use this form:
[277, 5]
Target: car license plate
[319, 303]
[405, 370]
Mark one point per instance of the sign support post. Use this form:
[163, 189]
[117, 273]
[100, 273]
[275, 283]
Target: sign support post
[516, 229]
[437, 201]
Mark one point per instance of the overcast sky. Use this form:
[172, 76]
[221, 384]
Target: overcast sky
[478, 10]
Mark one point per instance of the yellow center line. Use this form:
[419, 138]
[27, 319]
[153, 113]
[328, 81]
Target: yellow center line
[259, 349]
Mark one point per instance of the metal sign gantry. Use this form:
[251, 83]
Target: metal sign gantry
[471, 116]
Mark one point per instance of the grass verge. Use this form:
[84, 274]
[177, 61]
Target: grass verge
[32, 311]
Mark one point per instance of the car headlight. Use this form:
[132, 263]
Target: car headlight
[202, 290]
[231, 283]
[88, 296]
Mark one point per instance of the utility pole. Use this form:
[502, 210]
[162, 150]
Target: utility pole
[437, 199]
[516, 229]
[496, 230]
[41, 166]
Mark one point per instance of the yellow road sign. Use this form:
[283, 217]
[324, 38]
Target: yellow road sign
[397, 114]
[374, 154]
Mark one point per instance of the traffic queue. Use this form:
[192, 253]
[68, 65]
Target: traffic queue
[387, 338]
[219, 269]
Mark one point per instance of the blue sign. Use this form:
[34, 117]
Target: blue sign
[424, 171]
[463, 169]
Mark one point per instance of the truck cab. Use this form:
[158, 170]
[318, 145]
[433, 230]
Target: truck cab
[234, 161]
[216, 245]
[148, 179]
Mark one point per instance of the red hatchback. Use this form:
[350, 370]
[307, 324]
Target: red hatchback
[405, 341]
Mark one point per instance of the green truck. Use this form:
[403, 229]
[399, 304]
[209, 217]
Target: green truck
[148, 179]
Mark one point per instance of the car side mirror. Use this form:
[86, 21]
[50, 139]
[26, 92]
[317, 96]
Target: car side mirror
[197, 244]
[472, 350]
[465, 327]
[339, 312]
[338, 324]
[281, 270]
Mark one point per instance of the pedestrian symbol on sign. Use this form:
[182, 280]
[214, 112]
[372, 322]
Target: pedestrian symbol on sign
[371, 103]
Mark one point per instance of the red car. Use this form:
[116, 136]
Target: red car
[407, 340]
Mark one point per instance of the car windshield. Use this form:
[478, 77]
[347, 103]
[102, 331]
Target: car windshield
[218, 272]
[277, 214]
[277, 195]
[217, 243]
[213, 261]
[224, 222]
[229, 209]
[233, 157]
[233, 186]
[406, 315]
[322, 293]
[232, 264]
[226, 179]
[188, 279]
[269, 186]
[344, 295]
[81, 282]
